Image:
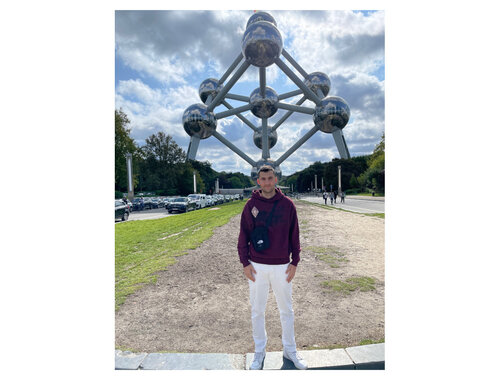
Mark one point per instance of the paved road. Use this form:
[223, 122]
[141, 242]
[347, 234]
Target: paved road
[357, 204]
[149, 214]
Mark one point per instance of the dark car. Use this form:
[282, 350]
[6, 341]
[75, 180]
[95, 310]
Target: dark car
[148, 204]
[181, 204]
[138, 204]
[121, 210]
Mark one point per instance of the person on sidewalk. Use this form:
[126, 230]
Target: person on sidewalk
[331, 198]
[266, 261]
[325, 197]
[335, 196]
[342, 197]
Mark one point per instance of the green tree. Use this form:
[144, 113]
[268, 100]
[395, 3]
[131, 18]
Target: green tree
[123, 144]
[374, 176]
[162, 160]
[207, 174]
[236, 183]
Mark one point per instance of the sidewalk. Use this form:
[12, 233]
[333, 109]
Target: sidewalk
[366, 198]
[370, 356]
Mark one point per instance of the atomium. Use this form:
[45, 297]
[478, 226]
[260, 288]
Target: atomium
[261, 16]
[318, 81]
[262, 46]
[209, 87]
[271, 135]
[197, 121]
[332, 113]
[264, 107]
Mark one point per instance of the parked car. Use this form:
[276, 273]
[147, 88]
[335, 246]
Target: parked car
[137, 204]
[181, 204]
[121, 210]
[168, 201]
[201, 200]
[155, 202]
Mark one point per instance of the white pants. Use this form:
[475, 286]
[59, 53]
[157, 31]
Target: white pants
[259, 290]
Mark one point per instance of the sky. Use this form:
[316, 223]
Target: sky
[161, 58]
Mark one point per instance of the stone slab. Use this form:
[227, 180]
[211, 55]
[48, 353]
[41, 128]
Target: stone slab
[193, 361]
[371, 356]
[316, 359]
[128, 360]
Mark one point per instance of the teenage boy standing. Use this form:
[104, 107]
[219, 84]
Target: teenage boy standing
[272, 265]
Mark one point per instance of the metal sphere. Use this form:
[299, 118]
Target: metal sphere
[264, 107]
[332, 113]
[272, 137]
[261, 44]
[262, 162]
[197, 121]
[208, 87]
[261, 16]
[317, 81]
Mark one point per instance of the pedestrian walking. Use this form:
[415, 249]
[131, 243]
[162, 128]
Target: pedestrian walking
[325, 196]
[342, 197]
[334, 196]
[331, 198]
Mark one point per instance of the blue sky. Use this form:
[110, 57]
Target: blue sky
[161, 57]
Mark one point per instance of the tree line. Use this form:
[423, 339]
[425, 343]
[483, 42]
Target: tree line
[160, 165]
[358, 174]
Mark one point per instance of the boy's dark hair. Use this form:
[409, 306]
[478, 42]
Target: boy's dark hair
[265, 169]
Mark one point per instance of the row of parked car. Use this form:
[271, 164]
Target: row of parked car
[198, 201]
[123, 207]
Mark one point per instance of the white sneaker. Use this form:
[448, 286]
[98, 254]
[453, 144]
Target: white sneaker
[297, 360]
[258, 360]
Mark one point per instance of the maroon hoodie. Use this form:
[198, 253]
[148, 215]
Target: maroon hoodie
[283, 230]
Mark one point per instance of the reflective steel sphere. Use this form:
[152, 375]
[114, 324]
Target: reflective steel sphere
[272, 137]
[261, 44]
[318, 80]
[264, 107]
[261, 16]
[269, 162]
[198, 122]
[208, 87]
[333, 112]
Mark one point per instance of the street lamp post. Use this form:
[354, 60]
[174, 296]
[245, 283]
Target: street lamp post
[130, 181]
[340, 182]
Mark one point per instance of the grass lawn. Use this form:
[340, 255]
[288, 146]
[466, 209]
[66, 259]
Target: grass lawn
[144, 247]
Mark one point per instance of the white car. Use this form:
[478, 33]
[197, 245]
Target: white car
[201, 200]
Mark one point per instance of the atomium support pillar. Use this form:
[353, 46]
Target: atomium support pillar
[338, 137]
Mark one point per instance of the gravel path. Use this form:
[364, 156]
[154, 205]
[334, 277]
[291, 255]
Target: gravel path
[200, 304]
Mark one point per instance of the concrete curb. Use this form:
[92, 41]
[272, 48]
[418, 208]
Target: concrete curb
[371, 356]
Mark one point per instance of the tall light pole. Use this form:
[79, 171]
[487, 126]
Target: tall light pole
[194, 182]
[315, 183]
[130, 181]
[340, 182]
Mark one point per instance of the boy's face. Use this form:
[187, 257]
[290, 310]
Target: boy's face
[267, 180]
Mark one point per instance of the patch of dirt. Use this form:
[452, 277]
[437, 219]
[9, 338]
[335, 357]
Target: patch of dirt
[200, 304]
